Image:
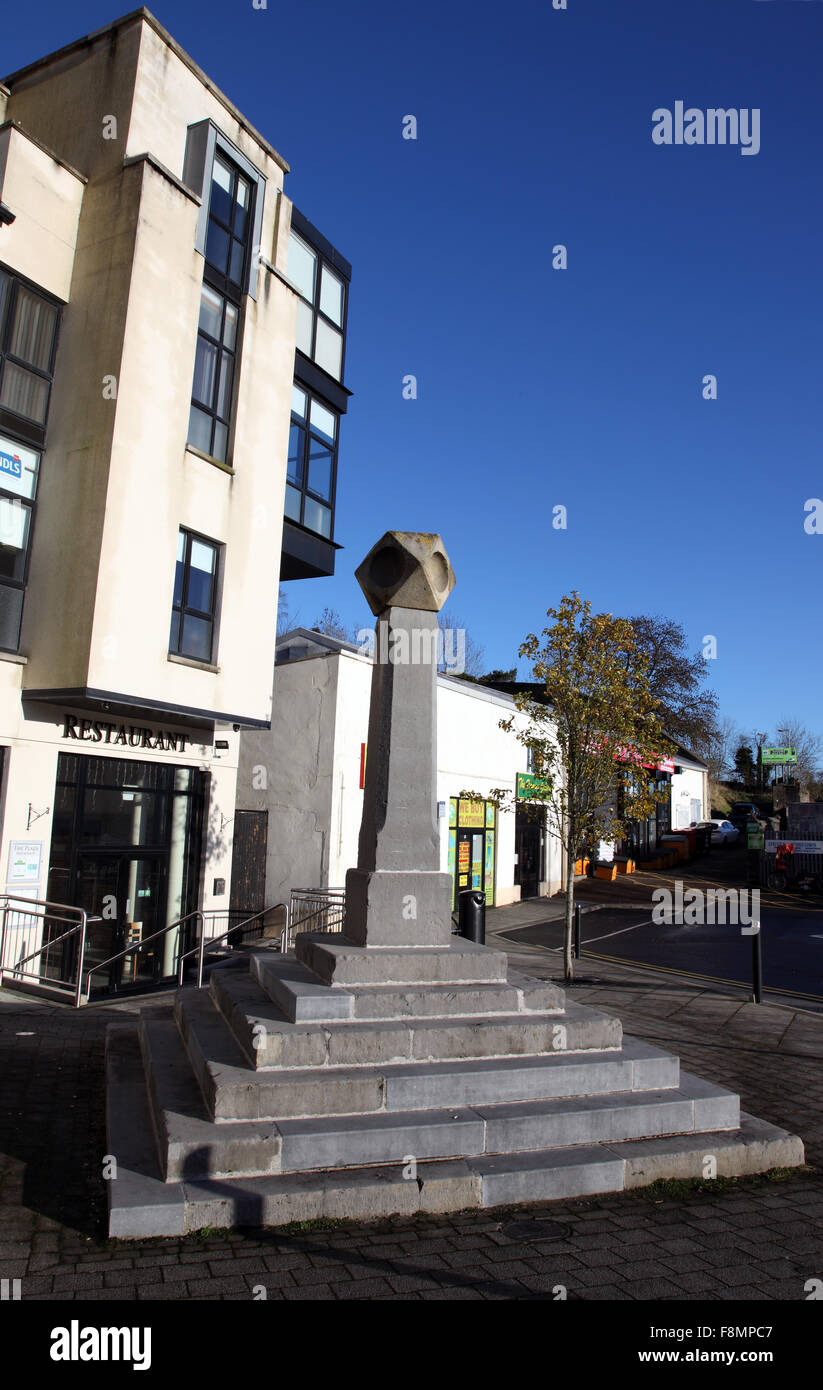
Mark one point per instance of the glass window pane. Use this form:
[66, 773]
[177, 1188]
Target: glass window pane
[196, 641]
[221, 200]
[15, 517]
[4, 291]
[24, 392]
[201, 571]
[331, 296]
[302, 266]
[230, 327]
[11, 608]
[200, 430]
[205, 368]
[321, 461]
[328, 349]
[224, 386]
[297, 438]
[298, 402]
[317, 518]
[293, 503]
[179, 569]
[323, 421]
[217, 247]
[305, 323]
[242, 201]
[211, 309]
[33, 332]
[236, 266]
[220, 443]
[18, 468]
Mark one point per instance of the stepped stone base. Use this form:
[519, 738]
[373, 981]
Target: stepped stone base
[361, 1082]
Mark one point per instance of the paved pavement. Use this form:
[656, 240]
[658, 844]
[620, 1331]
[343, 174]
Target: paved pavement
[756, 1238]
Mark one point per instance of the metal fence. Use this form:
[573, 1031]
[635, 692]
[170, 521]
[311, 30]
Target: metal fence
[315, 909]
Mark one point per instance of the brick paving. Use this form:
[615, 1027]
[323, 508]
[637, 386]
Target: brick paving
[751, 1239]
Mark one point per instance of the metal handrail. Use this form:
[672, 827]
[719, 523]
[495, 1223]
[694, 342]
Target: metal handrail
[26, 910]
[324, 898]
[138, 945]
[200, 948]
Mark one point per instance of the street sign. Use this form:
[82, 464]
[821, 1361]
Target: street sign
[530, 787]
[778, 755]
[754, 836]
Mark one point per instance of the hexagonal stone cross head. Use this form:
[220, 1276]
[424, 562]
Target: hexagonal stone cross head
[406, 569]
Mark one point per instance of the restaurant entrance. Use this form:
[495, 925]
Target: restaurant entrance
[126, 847]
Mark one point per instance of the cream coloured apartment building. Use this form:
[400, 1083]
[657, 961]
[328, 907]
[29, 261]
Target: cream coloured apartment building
[171, 361]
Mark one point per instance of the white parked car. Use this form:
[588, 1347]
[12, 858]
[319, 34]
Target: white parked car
[723, 832]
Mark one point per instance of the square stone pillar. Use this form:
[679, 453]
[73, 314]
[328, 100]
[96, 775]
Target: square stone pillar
[397, 895]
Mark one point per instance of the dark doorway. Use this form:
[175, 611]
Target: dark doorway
[527, 847]
[248, 864]
[127, 893]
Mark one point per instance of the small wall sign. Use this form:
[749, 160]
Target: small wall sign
[25, 859]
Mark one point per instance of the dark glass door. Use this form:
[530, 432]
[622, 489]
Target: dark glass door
[527, 849]
[126, 894]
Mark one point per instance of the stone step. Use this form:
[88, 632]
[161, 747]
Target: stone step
[191, 1146]
[302, 997]
[141, 1204]
[336, 961]
[189, 1143]
[394, 1137]
[270, 1040]
[232, 1090]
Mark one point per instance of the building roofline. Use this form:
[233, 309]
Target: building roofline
[145, 16]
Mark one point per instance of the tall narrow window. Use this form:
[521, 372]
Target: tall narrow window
[228, 237]
[321, 308]
[195, 597]
[28, 331]
[312, 464]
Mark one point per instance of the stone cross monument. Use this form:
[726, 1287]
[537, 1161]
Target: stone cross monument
[397, 895]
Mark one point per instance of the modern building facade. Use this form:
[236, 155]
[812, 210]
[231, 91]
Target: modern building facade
[172, 338]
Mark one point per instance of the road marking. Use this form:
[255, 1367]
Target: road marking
[591, 940]
[628, 963]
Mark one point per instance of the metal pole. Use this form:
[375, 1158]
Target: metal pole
[757, 967]
[577, 931]
[81, 953]
[201, 952]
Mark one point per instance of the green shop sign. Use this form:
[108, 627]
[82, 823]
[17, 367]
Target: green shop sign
[531, 788]
[778, 755]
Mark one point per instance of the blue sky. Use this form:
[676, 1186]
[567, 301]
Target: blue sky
[539, 387]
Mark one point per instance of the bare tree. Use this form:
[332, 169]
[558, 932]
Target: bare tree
[286, 620]
[331, 624]
[676, 680]
[460, 655]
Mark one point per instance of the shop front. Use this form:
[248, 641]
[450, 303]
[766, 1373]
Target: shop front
[472, 846]
[130, 821]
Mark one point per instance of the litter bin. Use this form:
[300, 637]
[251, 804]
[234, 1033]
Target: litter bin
[704, 839]
[471, 907]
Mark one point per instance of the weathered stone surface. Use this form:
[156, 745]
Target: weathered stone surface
[407, 569]
[337, 961]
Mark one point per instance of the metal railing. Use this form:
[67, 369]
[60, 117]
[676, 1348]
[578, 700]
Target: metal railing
[29, 911]
[314, 909]
[242, 926]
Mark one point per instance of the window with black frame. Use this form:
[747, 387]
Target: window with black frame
[321, 310]
[28, 341]
[28, 334]
[312, 465]
[194, 605]
[228, 236]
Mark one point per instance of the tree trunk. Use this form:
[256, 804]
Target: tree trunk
[568, 935]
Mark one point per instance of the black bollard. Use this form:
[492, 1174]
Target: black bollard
[577, 931]
[471, 907]
[757, 966]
